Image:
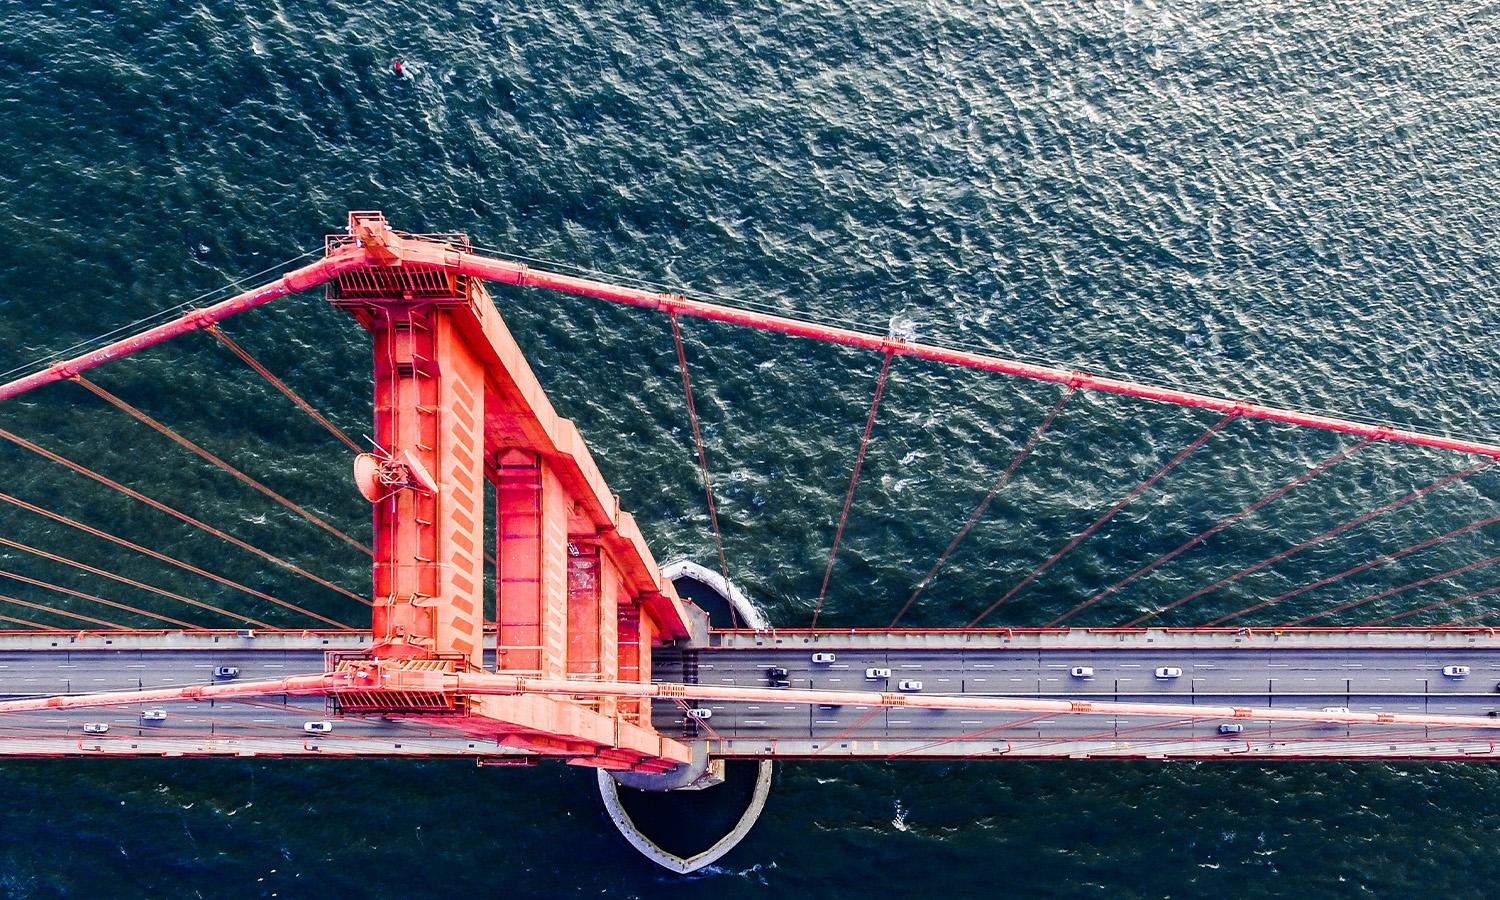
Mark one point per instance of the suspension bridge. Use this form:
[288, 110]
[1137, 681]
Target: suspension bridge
[595, 656]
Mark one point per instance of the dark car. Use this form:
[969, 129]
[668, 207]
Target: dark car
[778, 677]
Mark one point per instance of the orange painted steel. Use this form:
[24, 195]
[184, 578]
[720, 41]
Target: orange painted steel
[286, 390]
[1219, 526]
[995, 488]
[300, 279]
[196, 523]
[378, 678]
[859, 462]
[61, 612]
[196, 449]
[154, 554]
[92, 598]
[1108, 514]
[456, 406]
[508, 272]
[1316, 539]
[83, 567]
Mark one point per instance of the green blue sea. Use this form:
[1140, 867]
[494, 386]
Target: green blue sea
[1293, 201]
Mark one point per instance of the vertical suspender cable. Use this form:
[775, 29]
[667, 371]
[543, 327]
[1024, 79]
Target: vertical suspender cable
[1001, 482]
[170, 560]
[174, 436]
[859, 461]
[1421, 582]
[196, 523]
[1469, 596]
[47, 585]
[708, 490]
[282, 386]
[1477, 616]
[1109, 514]
[1355, 570]
[60, 612]
[17, 545]
[1320, 468]
[1316, 539]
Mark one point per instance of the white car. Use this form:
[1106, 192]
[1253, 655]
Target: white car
[321, 727]
[153, 715]
[1169, 672]
[95, 727]
[1456, 671]
[877, 673]
[226, 672]
[1231, 728]
[823, 658]
[1081, 672]
[697, 713]
[909, 685]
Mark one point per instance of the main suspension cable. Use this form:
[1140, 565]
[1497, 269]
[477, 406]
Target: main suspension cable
[162, 557]
[1109, 514]
[1316, 539]
[1000, 482]
[1222, 524]
[27, 548]
[283, 387]
[198, 450]
[859, 462]
[184, 517]
[1355, 570]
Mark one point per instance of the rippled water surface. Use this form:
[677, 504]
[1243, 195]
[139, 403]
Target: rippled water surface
[1290, 201]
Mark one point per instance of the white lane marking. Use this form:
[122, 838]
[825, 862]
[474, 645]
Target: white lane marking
[136, 666]
[970, 722]
[1130, 665]
[753, 722]
[1279, 665]
[983, 666]
[67, 665]
[911, 665]
[835, 679]
[268, 666]
[901, 721]
[825, 721]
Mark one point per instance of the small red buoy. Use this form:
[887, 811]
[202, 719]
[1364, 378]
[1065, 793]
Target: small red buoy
[399, 67]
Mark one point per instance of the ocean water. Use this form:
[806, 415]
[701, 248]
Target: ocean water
[1291, 201]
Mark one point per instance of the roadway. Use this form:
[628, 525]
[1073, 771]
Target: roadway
[269, 726]
[1222, 669]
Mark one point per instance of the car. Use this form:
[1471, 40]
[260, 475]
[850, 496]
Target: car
[778, 677]
[1231, 728]
[226, 672]
[320, 727]
[823, 658]
[1455, 671]
[1081, 672]
[95, 727]
[153, 715]
[909, 685]
[1169, 672]
[878, 672]
[699, 713]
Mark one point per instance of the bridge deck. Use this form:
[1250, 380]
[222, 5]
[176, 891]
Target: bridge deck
[46, 664]
[1391, 670]
[1382, 671]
